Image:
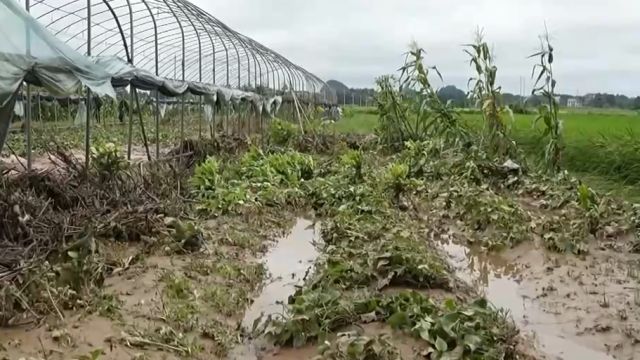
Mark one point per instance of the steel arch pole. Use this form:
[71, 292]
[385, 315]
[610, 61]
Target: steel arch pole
[213, 53]
[87, 126]
[244, 48]
[183, 69]
[27, 114]
[246, 53]
[157, 68]
[213, 27]
[226, 51]
[239, 39]
[199, 69]
[131, 61]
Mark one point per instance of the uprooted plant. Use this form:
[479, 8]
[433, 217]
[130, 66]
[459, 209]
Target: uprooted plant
[56, 222]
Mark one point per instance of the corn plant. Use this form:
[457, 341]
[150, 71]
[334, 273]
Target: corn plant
[488, 96]
[441, 119]
[410, 109]
[395, 125]
[545, 86]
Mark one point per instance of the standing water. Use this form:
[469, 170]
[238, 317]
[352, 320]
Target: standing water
[499, 279]
[288, 263]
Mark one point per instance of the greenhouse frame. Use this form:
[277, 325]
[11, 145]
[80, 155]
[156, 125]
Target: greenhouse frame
[166, 47]
[174, 39]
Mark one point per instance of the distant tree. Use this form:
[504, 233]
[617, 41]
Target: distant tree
[597, 101]
[635, 105]
[511, 99]
[609, 100]
[623, 102]
[533, 101]
[453, 94]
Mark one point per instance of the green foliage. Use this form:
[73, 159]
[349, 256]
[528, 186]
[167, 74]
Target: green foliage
[187, 236]
[256, 179]
[312, 315]
[475, 331]
[207, 176]
[179, 298]
[282, 133]
[353, 159]
[350, 346]
[108, 305]
[107, 161]
[469, 332]
[500, 220]
[287, 168]
[397, 178]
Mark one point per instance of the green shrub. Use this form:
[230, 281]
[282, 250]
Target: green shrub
[282, 133]
[107, 161]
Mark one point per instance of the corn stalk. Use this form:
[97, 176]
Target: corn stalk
[545, 86]
[411, 109]
[489, 97]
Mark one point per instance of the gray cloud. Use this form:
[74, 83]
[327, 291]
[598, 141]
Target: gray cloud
[597, 43]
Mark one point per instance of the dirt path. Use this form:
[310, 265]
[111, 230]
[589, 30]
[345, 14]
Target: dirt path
[44, 162]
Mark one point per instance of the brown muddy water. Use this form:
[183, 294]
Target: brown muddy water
[288, 263]
[570, 308]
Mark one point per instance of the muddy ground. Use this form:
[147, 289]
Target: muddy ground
[569, 307]
[164, 303]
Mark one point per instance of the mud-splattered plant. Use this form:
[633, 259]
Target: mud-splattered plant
[545, 86]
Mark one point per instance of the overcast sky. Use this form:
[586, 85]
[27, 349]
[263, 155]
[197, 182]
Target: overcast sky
[597, 42]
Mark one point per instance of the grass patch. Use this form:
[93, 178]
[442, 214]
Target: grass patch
[601, 146]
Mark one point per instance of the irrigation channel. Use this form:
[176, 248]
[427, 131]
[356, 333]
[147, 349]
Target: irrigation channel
[288, 263]
[561, 306]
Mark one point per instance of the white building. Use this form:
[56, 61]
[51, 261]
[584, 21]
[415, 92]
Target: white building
[574, 103]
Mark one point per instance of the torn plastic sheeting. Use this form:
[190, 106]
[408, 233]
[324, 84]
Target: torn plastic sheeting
[257, 102]
[173, 87]
[18, 110]
[224, 95]
[81, 115]
[237, 96]
[43, 61]
[163, 110]
[273, 105]
[210, 99]
[208, 113]
[125, 74]
[199, 89]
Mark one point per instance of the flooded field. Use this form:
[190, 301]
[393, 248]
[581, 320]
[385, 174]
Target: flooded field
[288, 263]
[418, 257]
[572, 308]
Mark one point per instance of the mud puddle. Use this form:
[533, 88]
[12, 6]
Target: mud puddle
[571, 308]
[288, 263]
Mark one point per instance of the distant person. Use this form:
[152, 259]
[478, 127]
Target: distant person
[123, 108]
[97, 108]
